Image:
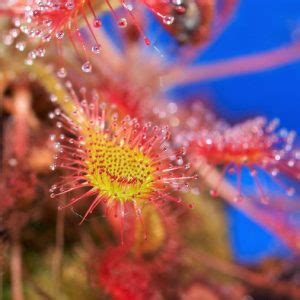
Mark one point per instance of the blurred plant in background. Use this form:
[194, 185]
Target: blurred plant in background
[115, 183]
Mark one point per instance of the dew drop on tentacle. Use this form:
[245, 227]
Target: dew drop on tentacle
[168, 20]
[97, 23]
[62, 72]
[59, 34]
[53, 98]
[122, 23]
[119, 156]
[70, 5]
[21, 46]
[87, 67]
[96, 49]
[52, 167]
[214, 193]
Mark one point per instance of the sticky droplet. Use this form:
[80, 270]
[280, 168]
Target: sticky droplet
[86, 67]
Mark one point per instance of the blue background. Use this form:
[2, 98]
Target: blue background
[258, 25]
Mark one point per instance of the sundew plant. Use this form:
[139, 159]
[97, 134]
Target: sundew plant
[139, 160]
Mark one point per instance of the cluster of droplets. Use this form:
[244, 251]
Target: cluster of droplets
[247, 142]
[254, 144]
[187, 119]
[118, 159]
[191, 21]
[52, 19]
[46, 20]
